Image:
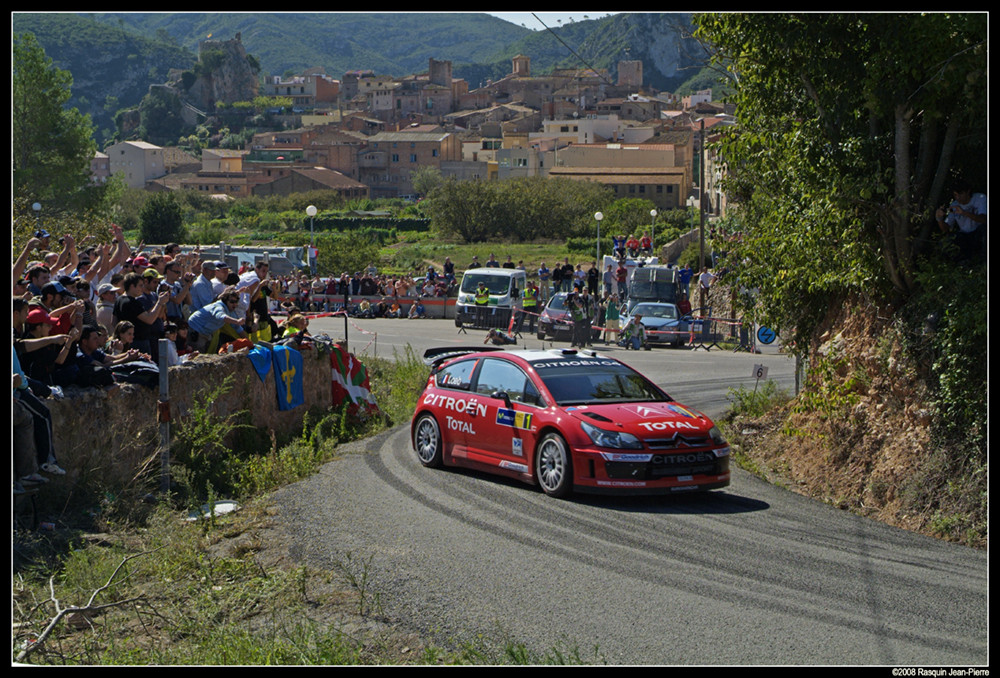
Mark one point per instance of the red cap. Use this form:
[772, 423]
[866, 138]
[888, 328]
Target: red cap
[37, 316]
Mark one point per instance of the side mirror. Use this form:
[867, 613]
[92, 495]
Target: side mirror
[502, 395]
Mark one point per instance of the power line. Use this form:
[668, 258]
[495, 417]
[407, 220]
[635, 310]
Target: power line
[571, 51]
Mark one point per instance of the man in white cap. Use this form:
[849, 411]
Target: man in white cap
[202, 292]
[106, 295]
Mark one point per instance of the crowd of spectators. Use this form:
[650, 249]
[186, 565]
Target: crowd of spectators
[91, 315]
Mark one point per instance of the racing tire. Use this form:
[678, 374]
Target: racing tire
[427, 442]
[554, 466]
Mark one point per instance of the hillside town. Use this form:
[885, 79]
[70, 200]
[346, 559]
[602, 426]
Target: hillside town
[364, 134]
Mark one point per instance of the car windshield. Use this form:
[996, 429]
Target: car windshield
[590, 381]
[656, 311]
[496, 284]
[558, 302]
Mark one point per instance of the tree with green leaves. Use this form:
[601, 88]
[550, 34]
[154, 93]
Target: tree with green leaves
[52, 145]
[161, 219]
[851, 127]
[519, 210]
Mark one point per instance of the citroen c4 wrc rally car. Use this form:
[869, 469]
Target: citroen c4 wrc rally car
[565, 420]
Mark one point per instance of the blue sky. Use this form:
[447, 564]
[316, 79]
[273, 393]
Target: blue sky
[550, 18]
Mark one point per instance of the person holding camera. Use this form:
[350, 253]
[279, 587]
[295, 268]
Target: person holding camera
[966, 216]
[178, 284]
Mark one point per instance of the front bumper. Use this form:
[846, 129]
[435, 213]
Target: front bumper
[651, 471]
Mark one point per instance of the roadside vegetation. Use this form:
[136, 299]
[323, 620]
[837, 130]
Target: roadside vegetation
[151, 579]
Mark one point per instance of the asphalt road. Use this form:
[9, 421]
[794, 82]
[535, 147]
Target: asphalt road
[751, 574]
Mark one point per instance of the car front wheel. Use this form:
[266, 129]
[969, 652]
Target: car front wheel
[553, 466]
[427, 441]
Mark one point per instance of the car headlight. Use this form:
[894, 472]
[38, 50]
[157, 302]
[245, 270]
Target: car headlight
[614, 439]
[716, 436]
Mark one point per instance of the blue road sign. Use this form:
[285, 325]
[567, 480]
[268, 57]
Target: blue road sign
[765, 335]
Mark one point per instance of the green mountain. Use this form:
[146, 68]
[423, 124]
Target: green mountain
[112, 65]
[114, 58]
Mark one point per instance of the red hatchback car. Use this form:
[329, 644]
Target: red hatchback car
[566, 420]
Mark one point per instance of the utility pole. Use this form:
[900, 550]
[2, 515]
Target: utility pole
[701, 209]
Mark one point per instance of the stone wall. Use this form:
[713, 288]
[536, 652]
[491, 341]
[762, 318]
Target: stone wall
[106, 438]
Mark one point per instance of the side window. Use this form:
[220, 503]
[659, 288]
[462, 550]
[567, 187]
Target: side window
[457, 375]
[500, 375]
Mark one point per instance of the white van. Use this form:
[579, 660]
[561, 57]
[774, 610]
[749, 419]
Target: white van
[506, 287]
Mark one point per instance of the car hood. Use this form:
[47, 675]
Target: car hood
[644, 419]
[659, 322]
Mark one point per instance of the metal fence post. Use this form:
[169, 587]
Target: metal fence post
[163, 412]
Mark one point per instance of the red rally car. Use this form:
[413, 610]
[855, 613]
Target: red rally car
[566, 420]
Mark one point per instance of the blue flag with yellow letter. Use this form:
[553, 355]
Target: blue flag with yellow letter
[288, 377]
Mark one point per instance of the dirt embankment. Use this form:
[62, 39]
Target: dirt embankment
[859, 435]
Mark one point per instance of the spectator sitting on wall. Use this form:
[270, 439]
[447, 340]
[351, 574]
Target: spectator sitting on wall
[183, 348]
[646, 244]
[41, 420]
[632, 245]
[417, 310]
[93, 363]
[50, 362]
[121, 339]
[205, 323]
[170, 333]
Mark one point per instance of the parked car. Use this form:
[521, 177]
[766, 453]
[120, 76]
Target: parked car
[563, 419]
[663, 322]
[555, 320]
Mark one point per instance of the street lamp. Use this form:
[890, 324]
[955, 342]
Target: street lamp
[652, 239]
[598, 216]
[311, 211]
[37, 206]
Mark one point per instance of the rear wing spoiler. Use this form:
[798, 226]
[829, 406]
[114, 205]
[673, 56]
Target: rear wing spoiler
[435, 356]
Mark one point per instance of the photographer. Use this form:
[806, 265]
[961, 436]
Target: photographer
[966, 216]
[179, 286]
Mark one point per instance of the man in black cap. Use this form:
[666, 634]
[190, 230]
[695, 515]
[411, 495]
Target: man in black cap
[44, 237]
[221, 273]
